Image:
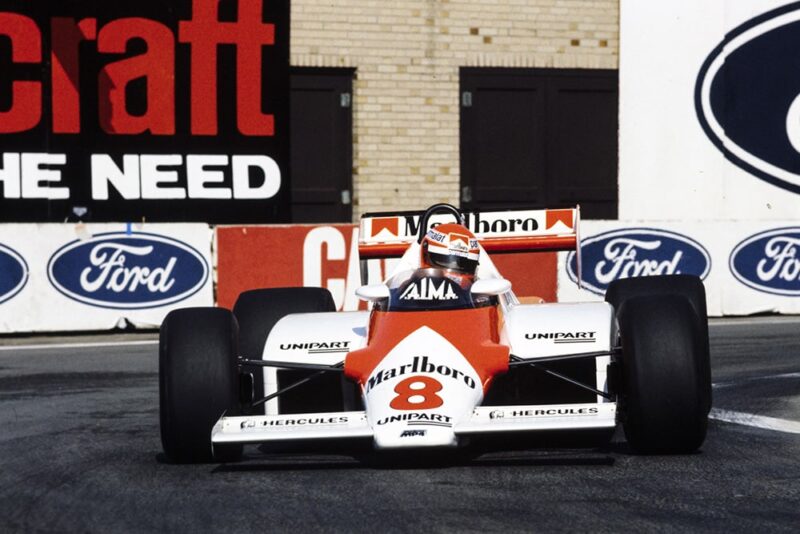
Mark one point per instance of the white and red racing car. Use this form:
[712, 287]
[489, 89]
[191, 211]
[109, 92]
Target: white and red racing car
[446, 356]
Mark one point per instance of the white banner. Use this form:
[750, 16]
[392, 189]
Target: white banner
[70, 277]
[747, 267]
[709, 110]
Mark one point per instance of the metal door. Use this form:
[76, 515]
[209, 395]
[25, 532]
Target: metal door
[321, 145]
[539, 137]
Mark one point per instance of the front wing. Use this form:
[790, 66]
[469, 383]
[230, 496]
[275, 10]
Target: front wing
[354, 425]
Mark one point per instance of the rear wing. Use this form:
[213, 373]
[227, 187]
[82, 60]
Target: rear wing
[388, 235]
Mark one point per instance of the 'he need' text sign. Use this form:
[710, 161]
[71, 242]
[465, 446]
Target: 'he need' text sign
[149, 110]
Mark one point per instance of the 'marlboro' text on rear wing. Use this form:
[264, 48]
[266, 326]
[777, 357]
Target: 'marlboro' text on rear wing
[387, 235]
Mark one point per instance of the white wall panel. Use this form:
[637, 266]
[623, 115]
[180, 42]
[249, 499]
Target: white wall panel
[764, 277]
[669, 168]
[91, 277]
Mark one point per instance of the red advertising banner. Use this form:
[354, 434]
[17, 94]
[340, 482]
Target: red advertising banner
[146, 110]
[250, 257]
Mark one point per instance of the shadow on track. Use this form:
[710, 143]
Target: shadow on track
[278, 462]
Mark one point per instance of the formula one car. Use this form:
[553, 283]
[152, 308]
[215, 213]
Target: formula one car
[446, 355]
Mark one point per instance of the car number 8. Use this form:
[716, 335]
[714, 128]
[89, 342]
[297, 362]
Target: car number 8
[417, 393]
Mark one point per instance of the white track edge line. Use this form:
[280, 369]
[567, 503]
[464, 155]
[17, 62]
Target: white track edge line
[743, 381]
[55, 346]
[757, 421]
[738, 321]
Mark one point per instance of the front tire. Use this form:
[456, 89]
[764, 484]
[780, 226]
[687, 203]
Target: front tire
[688, 286]
[663, 397]
[198, 382]
[258, 311]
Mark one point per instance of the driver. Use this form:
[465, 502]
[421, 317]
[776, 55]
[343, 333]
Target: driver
[453, 248]
[448, 262]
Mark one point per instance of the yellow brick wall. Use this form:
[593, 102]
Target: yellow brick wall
[407, 55]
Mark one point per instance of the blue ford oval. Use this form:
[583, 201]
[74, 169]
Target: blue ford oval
[127, 271]
[13, 273]
[747, 96]
[633, 252]
[769, 261]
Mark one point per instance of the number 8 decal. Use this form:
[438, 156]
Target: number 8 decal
[410, 396]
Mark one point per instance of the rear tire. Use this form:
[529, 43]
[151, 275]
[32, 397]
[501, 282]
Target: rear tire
[198, 382]
[257, 312]
[663, 391]
[688, 286]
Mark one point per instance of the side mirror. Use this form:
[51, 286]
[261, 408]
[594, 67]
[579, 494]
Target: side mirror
[373, 292]
[490, 286]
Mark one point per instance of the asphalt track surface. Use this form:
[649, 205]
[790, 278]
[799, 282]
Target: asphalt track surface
[80, 452]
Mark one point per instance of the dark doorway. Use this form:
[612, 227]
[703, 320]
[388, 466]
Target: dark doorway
[321, 144]
[539, 138]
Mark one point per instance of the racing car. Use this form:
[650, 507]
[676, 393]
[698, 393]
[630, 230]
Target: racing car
[445, 355]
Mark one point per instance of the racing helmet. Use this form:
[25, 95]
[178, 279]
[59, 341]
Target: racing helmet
[452, 247]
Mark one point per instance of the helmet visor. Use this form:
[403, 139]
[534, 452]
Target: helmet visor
[456, 262]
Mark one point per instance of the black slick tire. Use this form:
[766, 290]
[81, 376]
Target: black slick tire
[198, 382]
[663, 391]
[257, 311]
[688, 286]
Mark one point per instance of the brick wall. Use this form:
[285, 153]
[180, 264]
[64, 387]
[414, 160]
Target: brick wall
[407, 54]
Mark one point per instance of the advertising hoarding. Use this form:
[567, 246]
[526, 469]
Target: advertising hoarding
[144, 111]
[709, 110]
[748, 267]
[71, 277]
[250, 257]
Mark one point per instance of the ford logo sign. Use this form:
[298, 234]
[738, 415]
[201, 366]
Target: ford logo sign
[637, 252]
[127, 271]
[769, 261]
[747, 97]
[13, 273]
